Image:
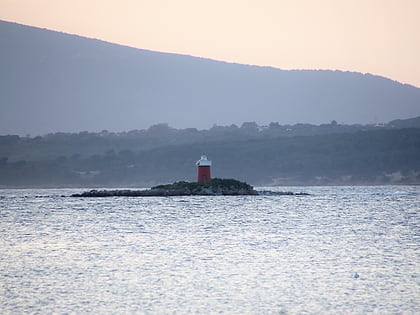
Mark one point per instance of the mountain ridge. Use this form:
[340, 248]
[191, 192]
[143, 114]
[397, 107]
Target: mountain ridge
[54, 81]
[202, 57]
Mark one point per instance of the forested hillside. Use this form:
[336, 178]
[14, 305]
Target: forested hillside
[270, 155]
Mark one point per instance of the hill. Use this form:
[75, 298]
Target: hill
[373, 156]
[52, 82]
[85, 144]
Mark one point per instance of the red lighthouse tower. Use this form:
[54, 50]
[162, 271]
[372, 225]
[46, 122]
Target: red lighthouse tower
[203, 170]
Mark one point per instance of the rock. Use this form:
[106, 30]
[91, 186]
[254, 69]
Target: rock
[216, 187]
[281, 193]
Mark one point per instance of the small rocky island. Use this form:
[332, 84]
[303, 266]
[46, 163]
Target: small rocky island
[205, 186]
[214, 187]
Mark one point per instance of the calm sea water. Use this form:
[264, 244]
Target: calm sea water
[342, 250]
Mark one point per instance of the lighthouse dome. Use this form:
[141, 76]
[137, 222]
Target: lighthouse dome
[203, 161]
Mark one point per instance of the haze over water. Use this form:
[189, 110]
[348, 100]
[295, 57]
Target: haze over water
[341, 250]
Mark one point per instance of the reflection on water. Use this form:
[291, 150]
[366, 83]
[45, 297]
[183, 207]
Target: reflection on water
[239, 255]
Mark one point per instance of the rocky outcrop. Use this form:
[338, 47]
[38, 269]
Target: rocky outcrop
[216, 187]
[281, 193]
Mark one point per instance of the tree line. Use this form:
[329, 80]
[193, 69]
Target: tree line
[373, 156]
[84, 144]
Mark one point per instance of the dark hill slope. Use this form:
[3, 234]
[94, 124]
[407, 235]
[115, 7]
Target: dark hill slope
[368, 157]
[51, 81]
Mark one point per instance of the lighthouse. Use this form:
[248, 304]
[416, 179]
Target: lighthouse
[203, 170]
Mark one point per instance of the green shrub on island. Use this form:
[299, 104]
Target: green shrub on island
[216, 186]
[214, 183]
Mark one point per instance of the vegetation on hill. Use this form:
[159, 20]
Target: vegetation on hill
[87, 144]
[370, 155]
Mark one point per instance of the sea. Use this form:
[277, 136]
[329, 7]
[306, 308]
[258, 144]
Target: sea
[340, 250]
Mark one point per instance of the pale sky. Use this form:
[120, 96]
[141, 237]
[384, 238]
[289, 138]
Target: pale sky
[381, 37]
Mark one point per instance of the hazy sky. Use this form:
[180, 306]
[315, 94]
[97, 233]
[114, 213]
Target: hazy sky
[377, 36]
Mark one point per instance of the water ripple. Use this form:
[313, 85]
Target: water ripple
[238, 255]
